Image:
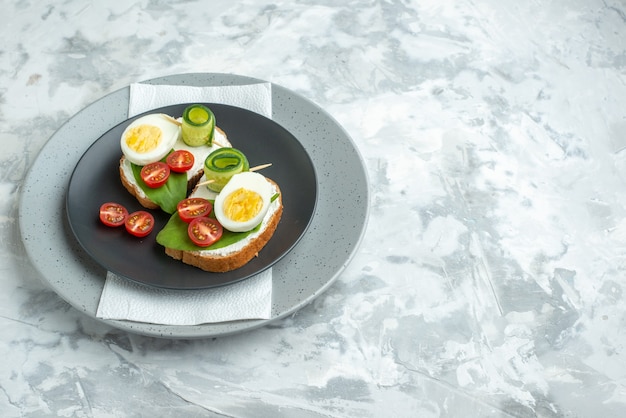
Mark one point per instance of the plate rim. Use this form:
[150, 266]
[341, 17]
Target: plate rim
[118, 100]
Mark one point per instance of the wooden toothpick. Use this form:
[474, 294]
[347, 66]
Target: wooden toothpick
[255, 168]
[171, 119]
[260, 167]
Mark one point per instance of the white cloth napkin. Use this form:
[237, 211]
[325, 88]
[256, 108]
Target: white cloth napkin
[123, 299]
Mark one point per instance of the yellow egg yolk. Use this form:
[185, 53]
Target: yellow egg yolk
[242, 205]
[143, 138]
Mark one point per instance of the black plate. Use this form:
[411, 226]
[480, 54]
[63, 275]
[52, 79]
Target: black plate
[96, 180]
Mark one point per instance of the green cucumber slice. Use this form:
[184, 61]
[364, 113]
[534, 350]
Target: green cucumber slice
[222, 164]
[198, 125]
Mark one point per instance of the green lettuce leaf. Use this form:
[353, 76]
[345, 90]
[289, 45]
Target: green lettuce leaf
[174, 235]
[168, 195]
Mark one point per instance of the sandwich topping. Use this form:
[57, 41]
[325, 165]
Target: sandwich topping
[229, 205]
[221, 165]
[148, 139]
[198, 125]
[243, 202]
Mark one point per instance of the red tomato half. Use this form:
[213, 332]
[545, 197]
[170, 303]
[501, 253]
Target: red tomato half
[193, 207]
[113, 214]
[155, 174]
[180, 161]
[139, 223]
[204, 231]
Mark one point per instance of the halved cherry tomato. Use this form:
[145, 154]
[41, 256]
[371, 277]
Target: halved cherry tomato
[180, 161]
[113, 214]
[155, 174]
[193, 207]
[204, 231]
[139, 223]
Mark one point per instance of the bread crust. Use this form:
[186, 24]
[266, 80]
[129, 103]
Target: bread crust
[133, 188]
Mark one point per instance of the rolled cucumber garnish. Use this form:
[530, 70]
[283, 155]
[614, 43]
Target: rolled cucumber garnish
[198, 125]
[222, 164]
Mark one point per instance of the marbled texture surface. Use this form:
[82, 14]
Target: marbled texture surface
[490, 280]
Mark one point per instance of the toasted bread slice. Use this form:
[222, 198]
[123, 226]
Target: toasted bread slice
[193, 176]
[238, 254]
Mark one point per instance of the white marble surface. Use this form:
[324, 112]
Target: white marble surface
[491, 278]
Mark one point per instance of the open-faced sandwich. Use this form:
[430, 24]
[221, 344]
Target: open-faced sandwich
[222, 212]
[246, 213]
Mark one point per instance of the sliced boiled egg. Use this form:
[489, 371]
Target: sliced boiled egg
[243, 202]
[149, 138]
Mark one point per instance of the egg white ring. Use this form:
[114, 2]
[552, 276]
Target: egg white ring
[250, 181]
[170, 133]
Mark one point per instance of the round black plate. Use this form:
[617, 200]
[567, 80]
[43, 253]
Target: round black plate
[96, 180]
